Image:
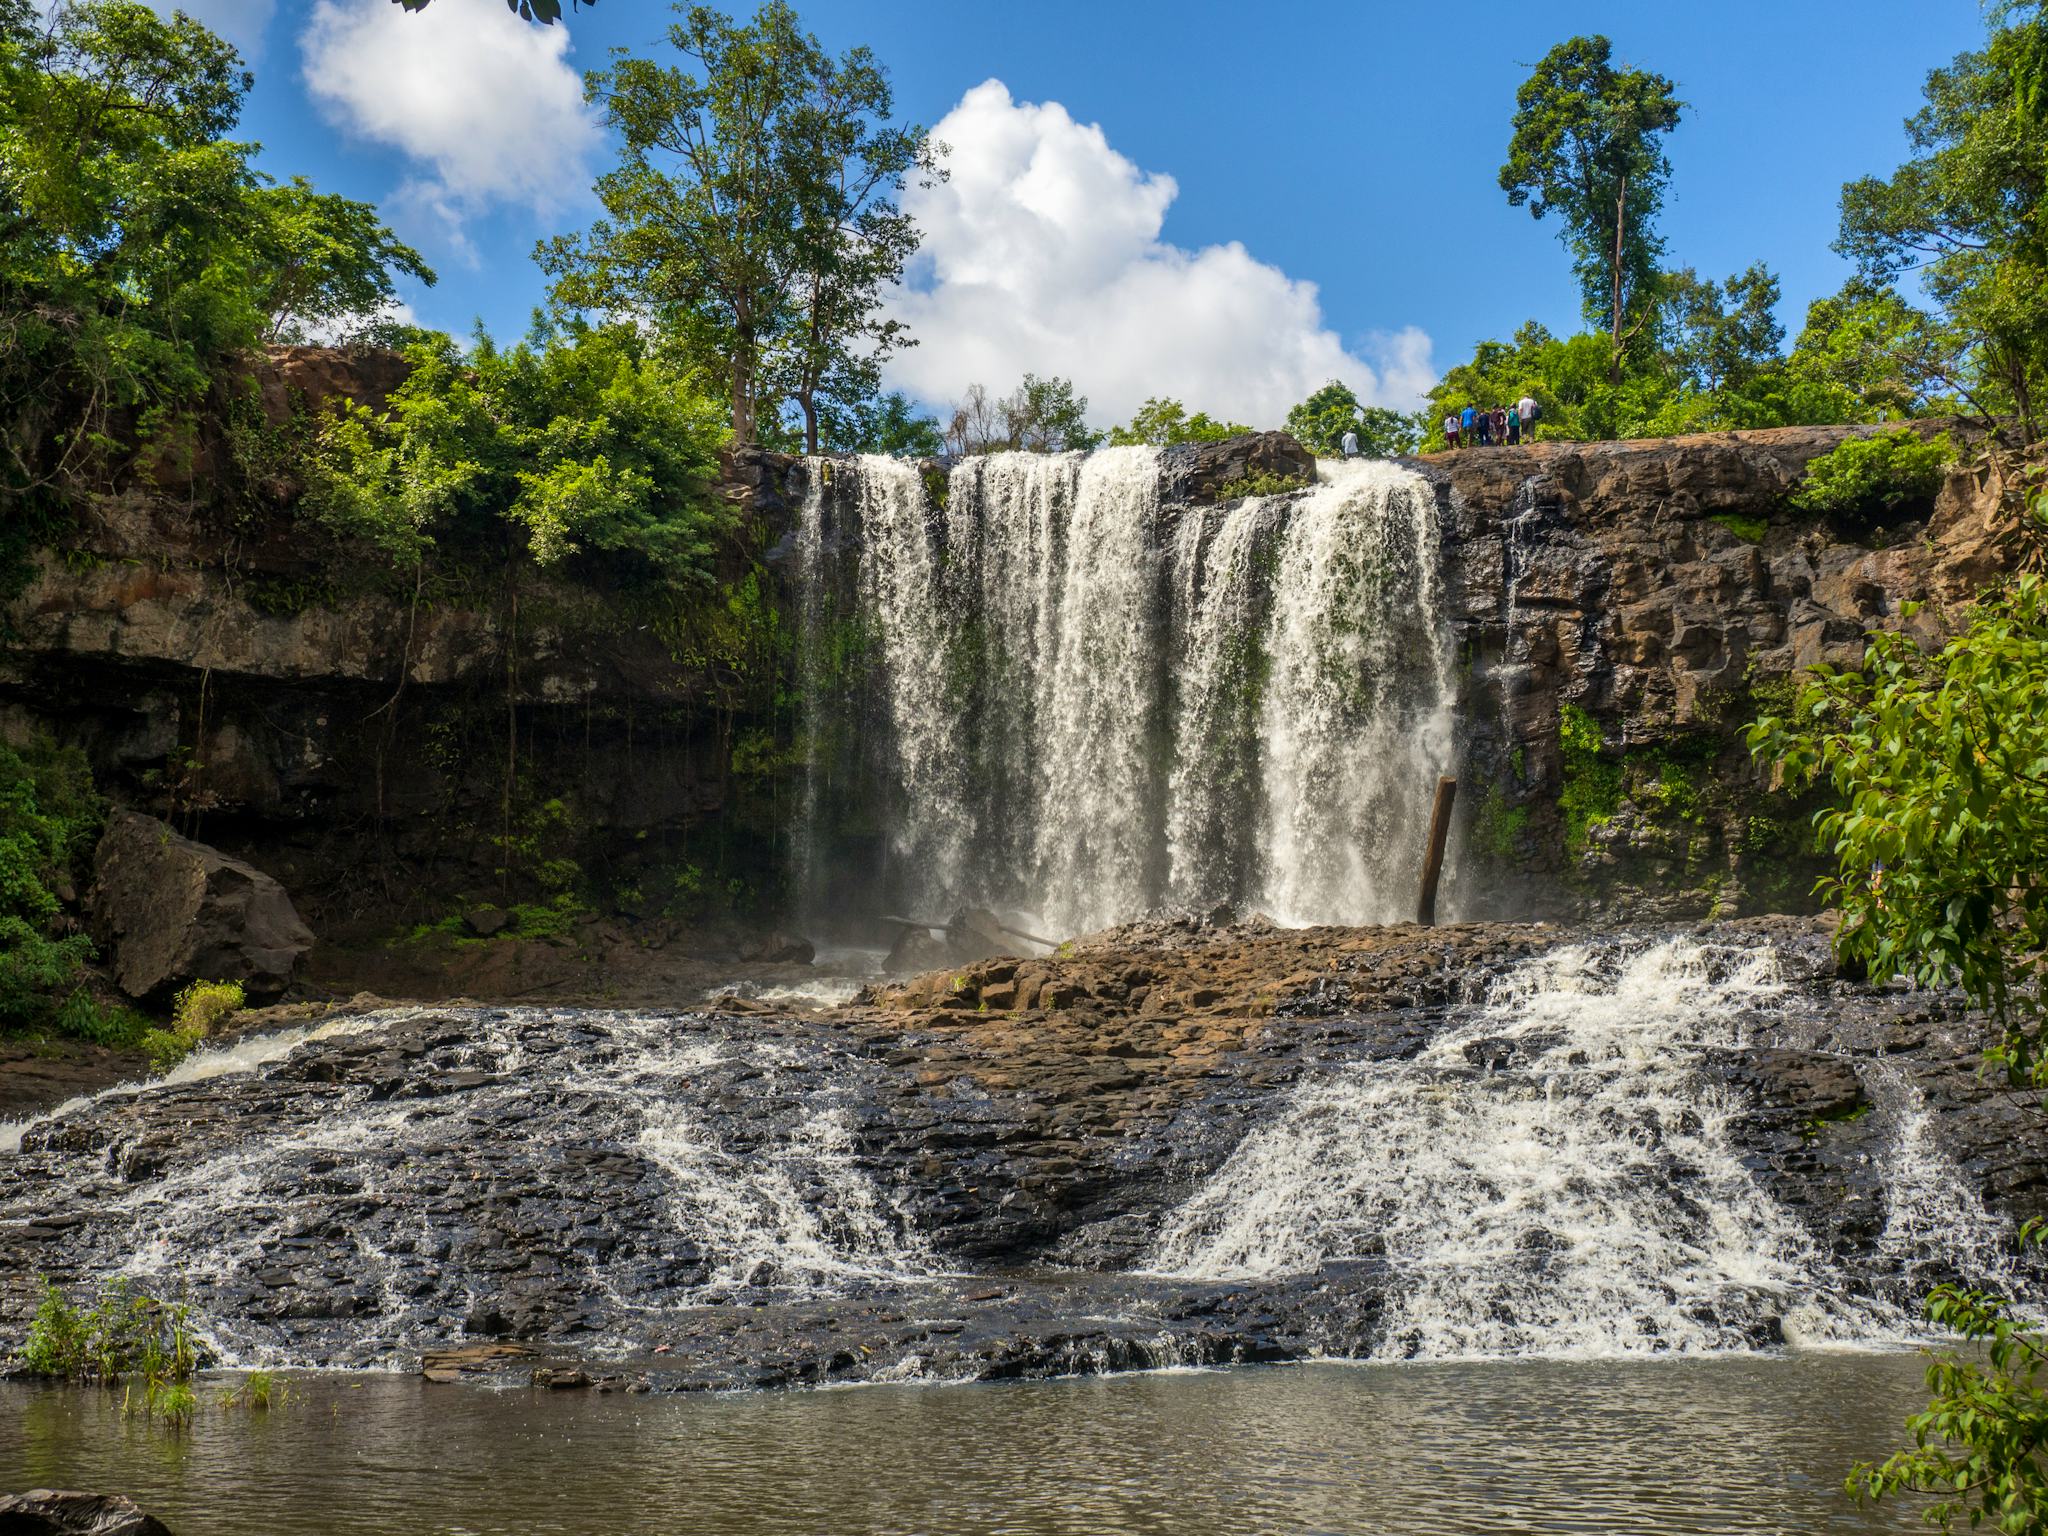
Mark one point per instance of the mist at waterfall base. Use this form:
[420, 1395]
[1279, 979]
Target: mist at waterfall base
[1031, 685]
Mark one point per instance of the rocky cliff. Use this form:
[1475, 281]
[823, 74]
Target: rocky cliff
[393, 750]
[1622, 610]
[386, 746]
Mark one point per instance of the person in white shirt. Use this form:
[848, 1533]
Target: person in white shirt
[1350, 445]
[1451, 430]
[1525, 408]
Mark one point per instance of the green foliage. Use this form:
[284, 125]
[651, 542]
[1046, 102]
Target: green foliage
[1320, 422]
[1591, 789]
[579, 445]
[1160, 422]
[1587, 144]
[49, 816]
[124, 1333]
[1939, 835]
[1876, 476]
[1981, 1445]
[1261, 484]
[1498, 827]
[1968, 218]
[751, 216]
[886, 424]
[200, 1009]
[141, 254]
[1039, 416]
[1750, 530]
[205, 1005]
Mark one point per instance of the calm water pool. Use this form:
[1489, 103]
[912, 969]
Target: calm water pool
[1727, 1445]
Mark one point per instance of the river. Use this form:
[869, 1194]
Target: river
[1661, 1448]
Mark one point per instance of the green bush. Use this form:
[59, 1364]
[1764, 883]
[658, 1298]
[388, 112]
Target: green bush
[49, 817]
[205, 1004]
[578, 445]
[1877, 475]
[124, 1333]
[1592, 784]
[199, 1009]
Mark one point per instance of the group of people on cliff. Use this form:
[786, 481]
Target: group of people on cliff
[1477, 427]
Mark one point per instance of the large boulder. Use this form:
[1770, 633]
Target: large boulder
[170, 911]
[1199, 472]
[59, 1512]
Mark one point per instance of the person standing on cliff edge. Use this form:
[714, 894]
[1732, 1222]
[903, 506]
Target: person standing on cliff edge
[1525, 410]
[1350, 445]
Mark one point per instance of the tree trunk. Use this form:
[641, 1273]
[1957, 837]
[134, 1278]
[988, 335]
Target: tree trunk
[1620, 224]
[808, 400]
[743, 384]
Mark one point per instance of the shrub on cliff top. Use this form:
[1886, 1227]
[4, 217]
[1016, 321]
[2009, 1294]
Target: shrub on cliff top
[580, 445]
[1877, 475]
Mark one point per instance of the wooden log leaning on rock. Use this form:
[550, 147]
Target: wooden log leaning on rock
[1433, 860]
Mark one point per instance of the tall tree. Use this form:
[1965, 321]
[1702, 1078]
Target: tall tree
[751, 213]
[1588, 141]
[1039, 416]
[1721, 335]
[1968, 214]
[1320, 422]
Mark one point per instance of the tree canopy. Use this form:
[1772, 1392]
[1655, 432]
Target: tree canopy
[1587, 143]
[1039, 416]
[1967, 216]
[1160, 422]
[140, 251]
[1320, 422]
[752, 214]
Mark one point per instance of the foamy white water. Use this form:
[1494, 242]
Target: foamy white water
[1092, 706]
[1552, 1176]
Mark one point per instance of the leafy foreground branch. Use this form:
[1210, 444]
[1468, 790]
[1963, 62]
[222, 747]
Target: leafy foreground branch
[1939, 760]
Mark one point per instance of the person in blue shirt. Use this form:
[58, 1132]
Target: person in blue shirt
[1465, 426]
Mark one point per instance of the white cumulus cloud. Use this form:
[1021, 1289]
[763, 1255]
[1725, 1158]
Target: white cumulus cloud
[1042, 254]
[487, 107]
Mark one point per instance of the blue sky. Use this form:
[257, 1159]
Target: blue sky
[1354, 148]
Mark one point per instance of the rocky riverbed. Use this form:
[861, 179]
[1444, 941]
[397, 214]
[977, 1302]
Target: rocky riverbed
[1173, 1143]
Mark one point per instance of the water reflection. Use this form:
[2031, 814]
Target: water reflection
[1663, 1447]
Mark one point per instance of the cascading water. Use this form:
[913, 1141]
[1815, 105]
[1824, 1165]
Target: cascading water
[1093, 704]
[652, 1161]
[1555, 1176]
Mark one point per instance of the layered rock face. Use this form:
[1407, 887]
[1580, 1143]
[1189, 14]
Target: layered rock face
[1668, 591]
[372, 743]
[378, 748]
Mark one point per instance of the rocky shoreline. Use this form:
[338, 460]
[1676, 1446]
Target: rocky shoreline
[963, 1177]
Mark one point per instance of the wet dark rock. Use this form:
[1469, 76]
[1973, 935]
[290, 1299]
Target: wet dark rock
[1199, 472]
[499, 1192]
[780, 949]
[485, 922]
[54, 1512]
[173, 911]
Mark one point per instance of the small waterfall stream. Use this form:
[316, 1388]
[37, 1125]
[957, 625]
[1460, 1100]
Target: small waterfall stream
[1085, 704]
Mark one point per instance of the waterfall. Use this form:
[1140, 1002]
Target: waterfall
[1089, 704]
[1553, 1175]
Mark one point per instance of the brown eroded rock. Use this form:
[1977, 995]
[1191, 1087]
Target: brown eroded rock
[171, 911]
